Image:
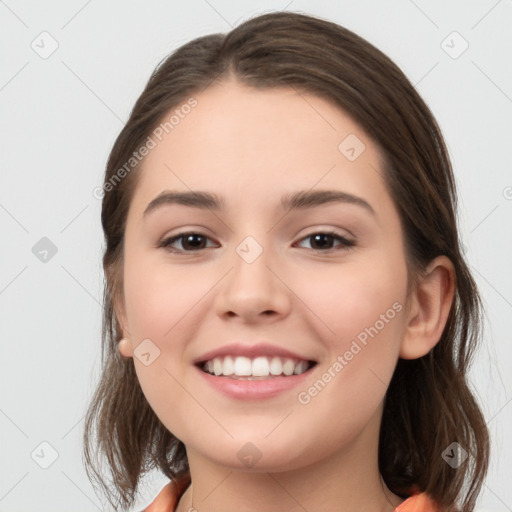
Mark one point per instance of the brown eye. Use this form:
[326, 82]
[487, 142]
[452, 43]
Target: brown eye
[189, 242]
[324, 241]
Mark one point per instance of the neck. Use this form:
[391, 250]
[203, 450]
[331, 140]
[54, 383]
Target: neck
[347, 481]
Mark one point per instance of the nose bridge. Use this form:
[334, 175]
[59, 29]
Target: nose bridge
[251, 275]
[251, 288]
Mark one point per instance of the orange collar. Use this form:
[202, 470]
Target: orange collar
[168, 498]
[420, 502]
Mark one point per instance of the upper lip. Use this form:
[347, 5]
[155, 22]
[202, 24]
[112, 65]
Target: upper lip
[251, 351]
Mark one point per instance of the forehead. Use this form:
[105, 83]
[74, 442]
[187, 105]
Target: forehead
[244, 142]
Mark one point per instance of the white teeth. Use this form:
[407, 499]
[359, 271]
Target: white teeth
[217, 366]
[260, 366]
[288, 367]
[276, 366]
[228, 368]
[243, 366]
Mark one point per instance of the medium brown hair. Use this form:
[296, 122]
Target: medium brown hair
[429, 404]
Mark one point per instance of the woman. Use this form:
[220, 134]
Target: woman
[288, 316]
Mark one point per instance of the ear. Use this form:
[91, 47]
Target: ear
[125, 344]
[119, 308]
[429, 307]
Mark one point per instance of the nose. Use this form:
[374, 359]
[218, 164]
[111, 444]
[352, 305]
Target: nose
[254, 291]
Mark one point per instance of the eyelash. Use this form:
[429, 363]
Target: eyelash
[346, 244]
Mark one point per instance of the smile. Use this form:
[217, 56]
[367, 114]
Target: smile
[261, 367]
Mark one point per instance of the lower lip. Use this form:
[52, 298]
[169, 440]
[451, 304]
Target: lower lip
[254, 389]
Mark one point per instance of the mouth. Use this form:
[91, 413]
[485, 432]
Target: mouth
[257, 368]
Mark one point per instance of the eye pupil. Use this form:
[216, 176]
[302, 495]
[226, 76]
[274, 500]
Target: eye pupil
[193, 240]
[320, 240]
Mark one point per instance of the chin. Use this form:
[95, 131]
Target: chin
[255, 453]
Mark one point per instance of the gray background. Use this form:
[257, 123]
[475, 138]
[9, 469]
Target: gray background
[60, 114]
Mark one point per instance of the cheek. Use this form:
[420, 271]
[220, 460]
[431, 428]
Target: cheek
[159, 297]
[361, 311]
[349, 298]
[365, 310]
[164, 304]
[160, 305]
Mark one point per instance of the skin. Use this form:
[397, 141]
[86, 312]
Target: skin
[250, 147]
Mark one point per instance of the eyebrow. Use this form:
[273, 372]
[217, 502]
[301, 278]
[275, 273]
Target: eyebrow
[302, 199]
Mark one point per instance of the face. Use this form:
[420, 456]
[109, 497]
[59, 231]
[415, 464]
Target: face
[316, 286]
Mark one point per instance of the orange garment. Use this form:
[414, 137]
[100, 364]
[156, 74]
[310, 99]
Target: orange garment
[168, 498]
[417, 503]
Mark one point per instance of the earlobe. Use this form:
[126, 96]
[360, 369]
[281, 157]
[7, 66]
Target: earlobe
[430, 306]
[125, 347]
